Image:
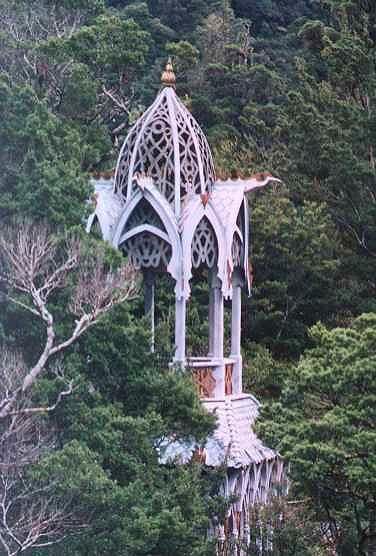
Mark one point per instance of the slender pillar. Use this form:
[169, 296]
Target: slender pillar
[211, 317]
[149, 303]
[216, 332]
[218, 321]
[180, 317]
[236, 332]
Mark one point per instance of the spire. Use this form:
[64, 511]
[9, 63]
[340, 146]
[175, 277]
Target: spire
[168, 78]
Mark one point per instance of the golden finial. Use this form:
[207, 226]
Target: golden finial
[168, 76]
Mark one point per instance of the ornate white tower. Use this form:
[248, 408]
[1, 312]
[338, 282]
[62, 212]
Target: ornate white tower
[168, 212]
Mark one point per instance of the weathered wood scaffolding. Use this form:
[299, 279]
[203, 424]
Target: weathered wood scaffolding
[168, 212]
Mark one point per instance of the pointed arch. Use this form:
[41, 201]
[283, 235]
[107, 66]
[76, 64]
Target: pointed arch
[93, 222]
[204, 248]
[164, 226]
[197, 211]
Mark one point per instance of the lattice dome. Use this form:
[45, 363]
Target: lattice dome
[167, 144]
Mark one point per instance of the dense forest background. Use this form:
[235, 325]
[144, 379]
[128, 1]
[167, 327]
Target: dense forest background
[278, 85]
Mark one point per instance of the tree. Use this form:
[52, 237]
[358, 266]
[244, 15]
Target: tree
[181, 14]
[25, 25]
[113, 434]
[329, 125]
[296, 266]
[80, 59]
[270, 16]
[42, 161]
[324, 426]
[34, 267]
[36, 510]
[45, 496]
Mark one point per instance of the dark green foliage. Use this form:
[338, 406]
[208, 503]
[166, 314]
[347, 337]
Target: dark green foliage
[41, 161]
[181, 16]
[270, 16]
[110, 45]
[324, 423]
[124, 409]
[296, 273]
[287, 87]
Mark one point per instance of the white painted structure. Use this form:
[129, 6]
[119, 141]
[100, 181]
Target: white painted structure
[167, 212]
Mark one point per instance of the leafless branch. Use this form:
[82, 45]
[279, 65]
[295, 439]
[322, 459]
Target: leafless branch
[32, 514]
[122, 103]
[36, 264]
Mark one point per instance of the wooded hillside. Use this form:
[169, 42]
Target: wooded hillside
[282, 86]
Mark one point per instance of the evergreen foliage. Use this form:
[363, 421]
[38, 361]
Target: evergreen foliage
[324, 423]
[287, 87]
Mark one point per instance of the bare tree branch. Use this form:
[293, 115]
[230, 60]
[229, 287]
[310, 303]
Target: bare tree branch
[32, 513]
[36, 264]
[123, 104]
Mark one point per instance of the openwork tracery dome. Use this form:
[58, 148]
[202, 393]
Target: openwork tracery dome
[168, 145]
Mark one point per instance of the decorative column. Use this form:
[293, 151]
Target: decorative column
[236, 331]
[216, 332]
[218, 321]
[180, 318]
[149, 301]
[211, 316]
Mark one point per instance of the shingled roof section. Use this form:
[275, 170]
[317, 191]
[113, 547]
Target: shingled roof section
[236, 443]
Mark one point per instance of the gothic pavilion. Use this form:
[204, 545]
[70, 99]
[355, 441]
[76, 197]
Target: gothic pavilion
[168, 213]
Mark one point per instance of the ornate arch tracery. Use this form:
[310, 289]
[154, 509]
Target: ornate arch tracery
[144, 238]
[95, 228]
[146, 250]
[195, 214]
[204, 248]
[144, 213]
[153, 153]
[149, 216]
